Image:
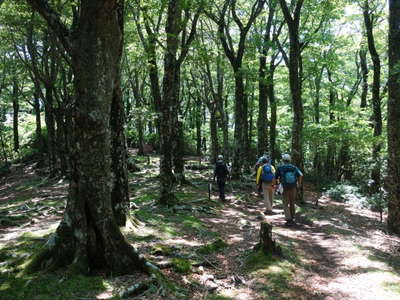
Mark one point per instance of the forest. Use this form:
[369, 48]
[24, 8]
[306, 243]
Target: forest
[115, 116]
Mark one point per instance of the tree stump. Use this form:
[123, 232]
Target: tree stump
[267, 244]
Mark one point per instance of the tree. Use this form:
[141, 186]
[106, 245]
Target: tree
[369, 18]
[394, 117]
[178, 38]
[88, 236]
[235, 57]
[294, 65]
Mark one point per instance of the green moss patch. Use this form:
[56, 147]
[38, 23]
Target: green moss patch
[274, 275]
[214, 246]
[181, 265]
[392, 286]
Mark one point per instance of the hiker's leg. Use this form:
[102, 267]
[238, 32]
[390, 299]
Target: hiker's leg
[271, 195]
[267, 195]
[292, 193]
[286, 204]
[221, 187]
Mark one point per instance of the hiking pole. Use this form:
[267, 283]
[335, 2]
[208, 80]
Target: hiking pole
[209, 189]
[230, 184]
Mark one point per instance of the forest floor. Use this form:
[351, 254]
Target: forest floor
[205, 247]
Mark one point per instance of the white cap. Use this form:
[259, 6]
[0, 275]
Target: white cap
[286, 157]
[220, 156]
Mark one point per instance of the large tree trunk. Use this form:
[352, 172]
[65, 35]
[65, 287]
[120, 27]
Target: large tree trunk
[15, 95]
[214, 136]
[376, 100]
[239, 142]
[393, 118]
[119, 156]
[293, 23]
[38, 120]
[364, 73]
[169, 108]
[88, 236]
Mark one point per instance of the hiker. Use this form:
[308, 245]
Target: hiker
[259, 162]
[221, 172]
[266, 179]
[290, 177]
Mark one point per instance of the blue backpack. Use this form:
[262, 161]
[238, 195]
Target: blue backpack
[267, 175]
[289, 176]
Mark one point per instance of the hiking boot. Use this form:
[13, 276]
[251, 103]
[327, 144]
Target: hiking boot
[269, 212]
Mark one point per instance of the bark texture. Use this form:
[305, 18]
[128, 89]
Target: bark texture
[293, 22]
[88, 236]
[376, 99]
[393, 124]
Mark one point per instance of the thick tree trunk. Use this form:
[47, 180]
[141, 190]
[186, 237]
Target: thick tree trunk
[376, 100]
[38, 121]
[239, 142]
[179, 147]
[214, 137]
[119, 155]
[295, 69]
[393, 123]
[169, 108]
[88, 236]
[15, 95]
[364, 73]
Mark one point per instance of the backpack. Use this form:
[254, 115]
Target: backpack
[267, 175]
[289, 176]
[221, 170]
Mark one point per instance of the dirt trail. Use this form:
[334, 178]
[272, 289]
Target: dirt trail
[339, 252]
[343, 252]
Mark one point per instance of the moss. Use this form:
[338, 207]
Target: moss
[392, 286]
[161, 249]
[181, 265]
[214, 246]
[274, 274]
[51, 286]
[218, 297]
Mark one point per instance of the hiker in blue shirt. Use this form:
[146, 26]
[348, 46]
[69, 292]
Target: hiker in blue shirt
[290, 176]
[266, 178]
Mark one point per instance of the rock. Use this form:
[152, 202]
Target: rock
[237, 280]
[211, 286]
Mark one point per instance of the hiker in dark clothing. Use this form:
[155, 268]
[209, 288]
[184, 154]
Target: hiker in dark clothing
[290, 176]
[221, 172]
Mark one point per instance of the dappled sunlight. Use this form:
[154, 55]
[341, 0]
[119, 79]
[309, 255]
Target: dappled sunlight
[335, 249]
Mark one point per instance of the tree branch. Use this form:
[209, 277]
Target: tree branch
[53, 20]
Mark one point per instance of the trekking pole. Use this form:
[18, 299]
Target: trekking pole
[209, 189]
[230, 183]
